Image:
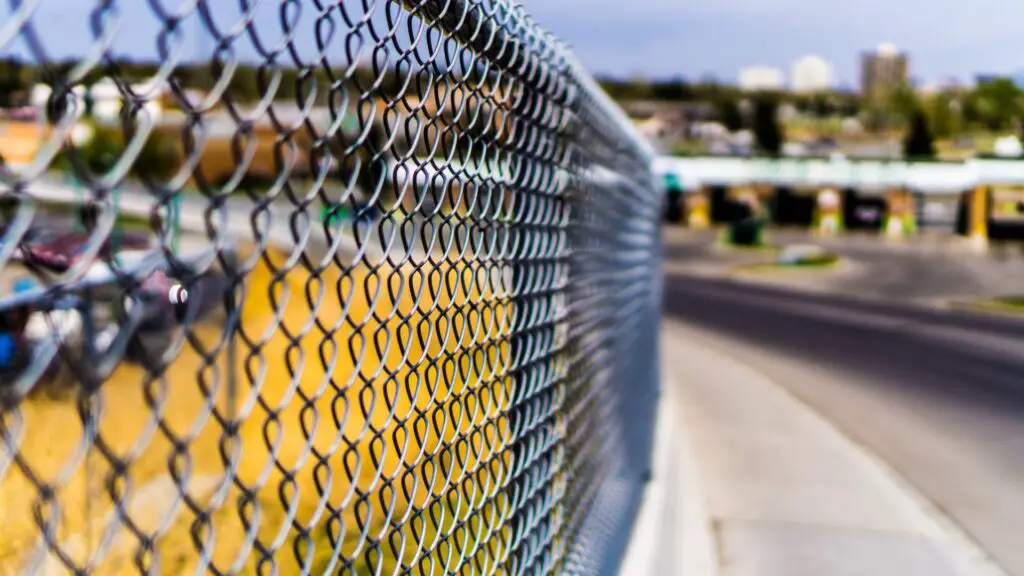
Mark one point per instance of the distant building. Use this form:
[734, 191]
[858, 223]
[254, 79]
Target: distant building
[883, 71]
[952, 85]
[43, 100]
[761, 78]
[811, 74]
[986, 78]
[669, 121]
[108, 99]
[787, 112]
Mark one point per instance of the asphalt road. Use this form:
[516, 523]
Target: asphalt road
[937, 394]
[915, 270]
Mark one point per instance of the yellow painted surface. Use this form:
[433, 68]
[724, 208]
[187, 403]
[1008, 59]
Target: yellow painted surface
[20, 141]
[698, 213]
[376, 376]
[979, 212]
[829, 206]
[900, 206]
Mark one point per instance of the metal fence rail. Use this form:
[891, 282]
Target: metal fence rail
[297, 286]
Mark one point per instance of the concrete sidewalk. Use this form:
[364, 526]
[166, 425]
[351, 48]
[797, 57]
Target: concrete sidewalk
[748, 481]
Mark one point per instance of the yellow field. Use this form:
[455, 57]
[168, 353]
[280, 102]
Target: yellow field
[370, 401]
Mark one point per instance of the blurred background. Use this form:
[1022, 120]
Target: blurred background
[843, 226]
[734, 287]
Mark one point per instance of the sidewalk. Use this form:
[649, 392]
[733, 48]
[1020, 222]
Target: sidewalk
[751, 482]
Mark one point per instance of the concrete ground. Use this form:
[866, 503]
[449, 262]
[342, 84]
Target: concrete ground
[779, 490]
[827, 433]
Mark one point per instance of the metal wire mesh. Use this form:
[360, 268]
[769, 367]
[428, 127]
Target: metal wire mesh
[299, 286]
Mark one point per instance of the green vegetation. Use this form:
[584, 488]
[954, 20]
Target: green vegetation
[248, 82]
[919, 144]
[159, 158]
[821, 261]
[992, 106]
[767, 130]
[1015, 301]
[1012, 305]
[813, 261]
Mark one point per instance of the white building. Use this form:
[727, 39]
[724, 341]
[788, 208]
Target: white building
[812, 73]
[108, 100]
[41, 93]
[760, 78]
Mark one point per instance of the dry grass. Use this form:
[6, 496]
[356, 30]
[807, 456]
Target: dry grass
[303, 390]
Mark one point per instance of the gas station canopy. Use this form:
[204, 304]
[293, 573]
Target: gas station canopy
[863, 175]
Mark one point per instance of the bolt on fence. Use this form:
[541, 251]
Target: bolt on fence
[355, 287]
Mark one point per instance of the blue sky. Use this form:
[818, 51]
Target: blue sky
[691, 37]
[665, 38]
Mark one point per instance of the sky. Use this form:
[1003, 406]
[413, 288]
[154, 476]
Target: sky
[666, 38]
[653, 38]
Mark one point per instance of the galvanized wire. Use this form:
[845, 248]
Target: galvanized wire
[298, 286]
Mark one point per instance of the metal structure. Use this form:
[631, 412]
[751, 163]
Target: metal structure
[384, 297]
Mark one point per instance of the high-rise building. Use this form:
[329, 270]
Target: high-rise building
[883, 70]
[811, 73]
[761, 78]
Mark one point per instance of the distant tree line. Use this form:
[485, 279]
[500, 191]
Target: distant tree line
[249, 82]
[995, 105]
[726, 98]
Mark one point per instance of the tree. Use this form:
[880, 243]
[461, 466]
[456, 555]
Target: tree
[994, 104]
[673, 90]
[942, 116]
[767, 130]
[904, 104]
[822, 105]
[635, 89]
[102, 151]
[728, 112]
[159, 158]
[12, 82]
[245, 84]
[919, 144]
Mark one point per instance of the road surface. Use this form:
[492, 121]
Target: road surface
[937, 394]
[923, 269]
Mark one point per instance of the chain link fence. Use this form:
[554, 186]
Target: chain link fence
[325, 287]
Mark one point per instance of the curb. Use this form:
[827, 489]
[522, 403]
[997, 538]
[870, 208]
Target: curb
[965, 554]
[774, 269]
[673, 532]
[989, 306]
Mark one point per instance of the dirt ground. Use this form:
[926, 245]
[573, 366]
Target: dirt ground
[345, 382]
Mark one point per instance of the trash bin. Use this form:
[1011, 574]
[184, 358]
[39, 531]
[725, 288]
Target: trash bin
[746, 232]
[674, 206]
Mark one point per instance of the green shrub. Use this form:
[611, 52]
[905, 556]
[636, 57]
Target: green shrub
[160, 157]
